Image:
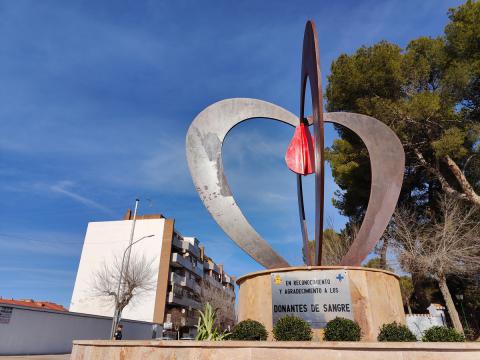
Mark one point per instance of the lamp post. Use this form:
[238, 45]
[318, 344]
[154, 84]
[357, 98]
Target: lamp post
[460, 298]
[118, 314]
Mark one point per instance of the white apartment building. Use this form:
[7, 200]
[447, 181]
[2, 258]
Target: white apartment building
[185, 276]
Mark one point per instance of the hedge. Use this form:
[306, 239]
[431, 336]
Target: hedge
[292, 328]
[249, 330]
[442, 334]
[395, 332]
[341, 329]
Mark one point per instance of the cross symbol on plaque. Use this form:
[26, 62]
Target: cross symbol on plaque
[340, 277]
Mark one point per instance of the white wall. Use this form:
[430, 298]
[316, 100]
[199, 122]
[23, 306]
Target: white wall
[419, 323]
[103, 242]
[39, 331]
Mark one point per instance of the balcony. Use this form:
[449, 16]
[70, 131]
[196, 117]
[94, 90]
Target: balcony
[179, 261]
[183, 301]
[185, 246]
[194, 286]
[182, 280]
[227, 279]
[178, 279]
[184, 320]
[210, 265]
[212, 281]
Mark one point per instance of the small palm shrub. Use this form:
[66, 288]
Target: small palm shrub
[395, 332]
[292, 328]
[341, 329]
[442, 334]
[206, 328]
[249, 330]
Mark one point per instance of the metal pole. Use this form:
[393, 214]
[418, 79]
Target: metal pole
[132, 232]
[464, 317]
[116, 314]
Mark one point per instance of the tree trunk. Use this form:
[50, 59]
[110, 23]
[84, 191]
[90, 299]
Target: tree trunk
[115, 322]
[468, 190]
[457, 324]
[383, 254]
[409, 308]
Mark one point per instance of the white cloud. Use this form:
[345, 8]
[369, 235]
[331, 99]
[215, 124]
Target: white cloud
[62, 188]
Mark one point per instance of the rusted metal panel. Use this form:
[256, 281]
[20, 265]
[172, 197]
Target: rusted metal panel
[311, 71]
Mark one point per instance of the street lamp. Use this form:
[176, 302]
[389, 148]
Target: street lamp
[117, 314]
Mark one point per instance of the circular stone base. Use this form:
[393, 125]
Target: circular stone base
[375, 297]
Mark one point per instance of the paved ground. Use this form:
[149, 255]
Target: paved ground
[37, 357]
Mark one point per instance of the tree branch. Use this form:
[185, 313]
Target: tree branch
[443, 182]
[468, 190]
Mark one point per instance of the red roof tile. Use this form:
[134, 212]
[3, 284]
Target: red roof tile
[34, 304]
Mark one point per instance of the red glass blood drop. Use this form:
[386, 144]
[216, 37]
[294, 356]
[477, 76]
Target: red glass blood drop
[300, 156]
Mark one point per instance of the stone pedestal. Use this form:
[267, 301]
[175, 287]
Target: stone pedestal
[376, 298]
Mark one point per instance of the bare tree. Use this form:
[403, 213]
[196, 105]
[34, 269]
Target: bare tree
[221, 302]
[178, 320]
[448, 244]
[137, 278]
[335, 245]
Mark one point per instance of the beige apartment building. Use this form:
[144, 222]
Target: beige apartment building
[186, 277]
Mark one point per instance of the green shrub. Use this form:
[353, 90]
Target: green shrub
[442, 334]
[249, 330]
[395, 332]
[292, 328]
[341, 329]
[470, 334]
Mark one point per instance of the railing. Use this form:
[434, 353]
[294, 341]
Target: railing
[211, 266]
[179, 260]
[192, 284]
[183, 301]
[178, 279]
[212, 281]
[182, 280]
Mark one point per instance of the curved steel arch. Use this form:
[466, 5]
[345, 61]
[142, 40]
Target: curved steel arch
[204, 154]
[387, 163]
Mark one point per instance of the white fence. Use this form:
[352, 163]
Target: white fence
[26, 331]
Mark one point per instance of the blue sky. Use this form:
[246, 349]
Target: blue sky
[96, 99]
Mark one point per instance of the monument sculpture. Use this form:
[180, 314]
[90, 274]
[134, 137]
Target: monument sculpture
[314, 292]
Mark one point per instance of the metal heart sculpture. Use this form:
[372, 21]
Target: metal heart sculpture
[204, 154]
